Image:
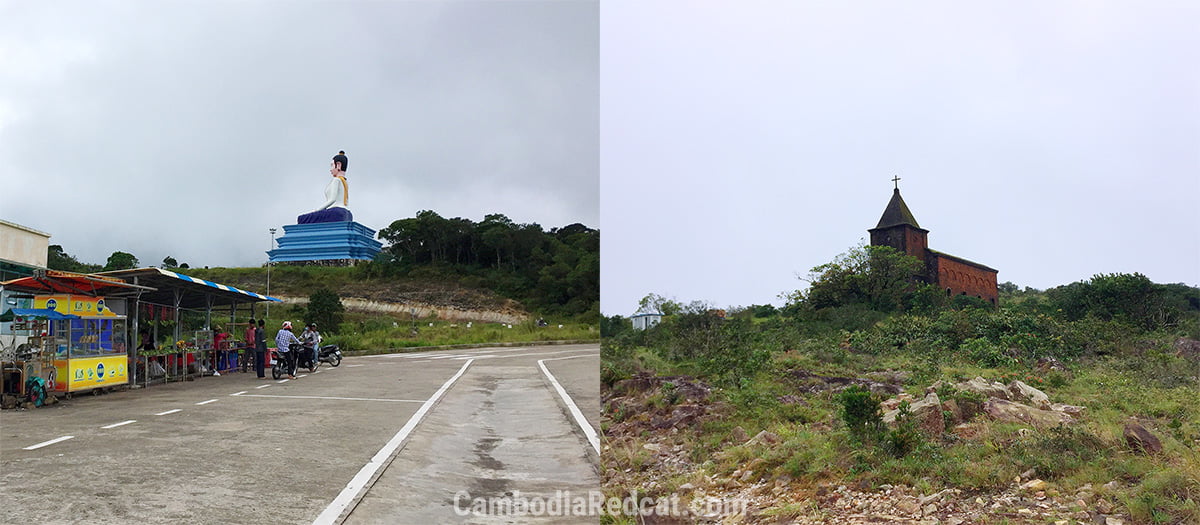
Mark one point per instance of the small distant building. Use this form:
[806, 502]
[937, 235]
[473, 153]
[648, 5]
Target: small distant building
[645, 321]
[22, 250]
[957, 276]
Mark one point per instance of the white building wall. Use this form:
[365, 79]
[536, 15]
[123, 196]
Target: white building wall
[643, 322]
[23, 245]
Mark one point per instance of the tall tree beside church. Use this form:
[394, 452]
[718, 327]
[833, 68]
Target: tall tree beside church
[875, 276]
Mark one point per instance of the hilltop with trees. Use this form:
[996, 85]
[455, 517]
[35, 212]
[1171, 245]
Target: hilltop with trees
[868, 394]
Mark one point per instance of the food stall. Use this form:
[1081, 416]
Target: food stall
[68, 329]
[89, 346]
[32, 350]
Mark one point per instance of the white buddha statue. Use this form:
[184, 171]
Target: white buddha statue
[337, 196]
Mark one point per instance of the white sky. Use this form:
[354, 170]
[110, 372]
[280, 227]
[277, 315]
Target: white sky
[741, 147]
[188, 128]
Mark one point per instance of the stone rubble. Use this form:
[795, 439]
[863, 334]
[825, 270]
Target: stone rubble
[753, 495]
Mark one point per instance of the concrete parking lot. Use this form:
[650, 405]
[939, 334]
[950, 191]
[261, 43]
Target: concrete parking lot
[393, 438]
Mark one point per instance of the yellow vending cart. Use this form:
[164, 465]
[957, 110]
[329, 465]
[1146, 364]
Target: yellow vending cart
[90, 349]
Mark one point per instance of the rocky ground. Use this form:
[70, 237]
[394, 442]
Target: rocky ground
[646, 449]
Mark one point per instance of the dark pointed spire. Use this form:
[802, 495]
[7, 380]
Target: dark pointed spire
[897, 213]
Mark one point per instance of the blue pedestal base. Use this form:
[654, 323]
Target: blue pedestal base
[326, 241]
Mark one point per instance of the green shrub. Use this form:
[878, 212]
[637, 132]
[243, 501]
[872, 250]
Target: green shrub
[1059, 451]
[899, 330]
[325, 308]
[986, 353]
[861, 412]
[1165, 496]
[905, 438]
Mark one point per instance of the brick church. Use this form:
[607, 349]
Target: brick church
[898, 229]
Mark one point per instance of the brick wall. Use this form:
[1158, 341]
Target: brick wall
[959, 277]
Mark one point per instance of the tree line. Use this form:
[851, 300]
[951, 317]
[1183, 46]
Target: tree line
[58, 259]
[556, 270]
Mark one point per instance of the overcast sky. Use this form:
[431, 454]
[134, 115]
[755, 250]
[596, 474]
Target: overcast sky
[190, 128]
[743, 146]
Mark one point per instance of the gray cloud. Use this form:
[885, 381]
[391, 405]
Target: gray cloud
[742, 147]
[188, 129]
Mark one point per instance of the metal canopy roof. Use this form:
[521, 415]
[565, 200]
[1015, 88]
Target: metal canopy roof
[53, 281]
[194, 293]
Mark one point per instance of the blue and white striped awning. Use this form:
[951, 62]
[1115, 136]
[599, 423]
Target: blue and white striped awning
[218, 286]
[174, 288]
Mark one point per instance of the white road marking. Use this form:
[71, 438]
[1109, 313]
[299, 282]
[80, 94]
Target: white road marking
[169, 412]
[340, 398]
[539, 353]
[352, 366]
[238, 393]
[263, 386]
[583, 422]
[51, 442]
[360, 480]
[115, 425]
[207, 402]
[282, 381]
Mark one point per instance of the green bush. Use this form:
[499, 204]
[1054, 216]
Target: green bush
[1131, 299]
[899, 330]
[905, 438]
[325, 308]
[861, 413]
[1165, 496]
[1059, 451]
[737, 355]
[987, 353]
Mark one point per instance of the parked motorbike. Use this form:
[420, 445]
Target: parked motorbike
[304, 359]
[279, 364]
[330, 354]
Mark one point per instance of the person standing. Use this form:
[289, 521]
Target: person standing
[283, 343]
[219, 351]
[260, 349]
[309, 339]
[248, 347]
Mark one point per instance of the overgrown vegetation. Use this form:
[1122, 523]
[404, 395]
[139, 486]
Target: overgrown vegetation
[1110, 344]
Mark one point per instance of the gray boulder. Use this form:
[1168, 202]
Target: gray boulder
[1004, 410]
[1022, 393]
[987, 388]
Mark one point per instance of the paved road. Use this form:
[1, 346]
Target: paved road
[402, 438]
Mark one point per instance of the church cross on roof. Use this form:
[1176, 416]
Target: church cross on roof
[897, 212]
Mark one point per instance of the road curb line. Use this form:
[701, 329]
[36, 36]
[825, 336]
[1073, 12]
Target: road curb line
[587, 428]
[345, 501]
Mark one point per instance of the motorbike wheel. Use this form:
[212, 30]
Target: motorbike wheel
[276, 371]
[335, 360]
